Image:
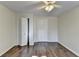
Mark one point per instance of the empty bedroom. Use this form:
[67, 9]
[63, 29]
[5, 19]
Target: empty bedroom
[39, 28]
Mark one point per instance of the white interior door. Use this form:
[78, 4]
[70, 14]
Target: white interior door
[42, 30]
[24, 31]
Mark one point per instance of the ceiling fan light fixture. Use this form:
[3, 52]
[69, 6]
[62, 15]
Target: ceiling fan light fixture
[49, 8]
[50, 5]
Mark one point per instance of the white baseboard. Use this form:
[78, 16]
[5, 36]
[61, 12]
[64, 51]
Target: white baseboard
[6, 50]
[31, 44]
[69, 49]
[45, 41]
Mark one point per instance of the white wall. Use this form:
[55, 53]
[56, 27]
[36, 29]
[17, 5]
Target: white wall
[18, 29]
[52, 29]
[68, 25]
[8, 29]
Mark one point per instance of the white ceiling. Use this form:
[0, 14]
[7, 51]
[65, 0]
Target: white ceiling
[31, 7]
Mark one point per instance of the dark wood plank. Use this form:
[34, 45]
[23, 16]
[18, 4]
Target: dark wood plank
[39, 49]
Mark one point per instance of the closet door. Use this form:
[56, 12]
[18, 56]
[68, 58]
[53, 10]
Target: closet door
[24, 29]
[42, 30]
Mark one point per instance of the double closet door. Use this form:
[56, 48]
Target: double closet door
[24, 31]
[42, 30]
[38, 31]
[27, 31]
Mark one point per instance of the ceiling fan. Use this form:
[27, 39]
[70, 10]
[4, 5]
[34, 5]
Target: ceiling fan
[49, 5]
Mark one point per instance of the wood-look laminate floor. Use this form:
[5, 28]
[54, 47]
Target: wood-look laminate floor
[40, 49]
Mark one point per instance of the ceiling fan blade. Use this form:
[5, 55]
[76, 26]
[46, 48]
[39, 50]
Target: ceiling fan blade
[47, 2]
[52, 2]
[57, 6]
[41, 7]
